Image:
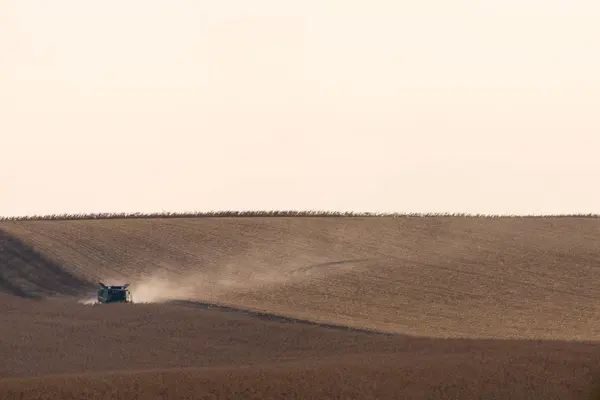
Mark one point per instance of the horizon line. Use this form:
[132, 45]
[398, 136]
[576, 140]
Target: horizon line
[274, 213]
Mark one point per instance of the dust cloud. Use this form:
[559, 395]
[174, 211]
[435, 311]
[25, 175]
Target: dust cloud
[88, 301]
[153, 289]
[163, 284]
[156, 289]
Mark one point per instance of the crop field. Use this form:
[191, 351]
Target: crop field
[301, 305]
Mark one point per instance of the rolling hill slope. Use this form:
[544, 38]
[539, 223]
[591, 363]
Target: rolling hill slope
[486, 280]
[439, 276]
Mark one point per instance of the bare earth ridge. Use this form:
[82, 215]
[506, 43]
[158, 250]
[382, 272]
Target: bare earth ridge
[441, 306]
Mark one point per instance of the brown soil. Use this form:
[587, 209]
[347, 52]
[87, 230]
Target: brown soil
[472, 307]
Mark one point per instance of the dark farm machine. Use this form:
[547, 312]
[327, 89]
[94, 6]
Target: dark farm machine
[114, 294]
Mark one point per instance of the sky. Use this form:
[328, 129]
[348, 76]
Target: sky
[476, 106]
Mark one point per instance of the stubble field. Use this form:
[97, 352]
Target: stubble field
[292, 306]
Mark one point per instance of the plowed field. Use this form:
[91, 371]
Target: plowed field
[302, 307]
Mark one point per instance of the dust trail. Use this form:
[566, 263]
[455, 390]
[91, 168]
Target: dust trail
[157, 289]
[215, 284]
[87, 301]
[205, 286]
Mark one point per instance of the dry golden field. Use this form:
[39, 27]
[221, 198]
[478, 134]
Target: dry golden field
[293, 306]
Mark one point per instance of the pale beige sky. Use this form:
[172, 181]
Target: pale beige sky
[444, 106]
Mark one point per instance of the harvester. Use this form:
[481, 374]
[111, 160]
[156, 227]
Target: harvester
[114, 294]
